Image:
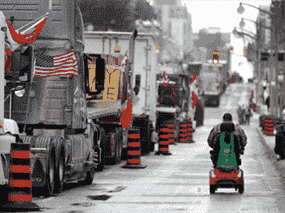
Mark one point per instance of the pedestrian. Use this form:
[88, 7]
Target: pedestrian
[243, 114]
[247, 114]
[239, 112]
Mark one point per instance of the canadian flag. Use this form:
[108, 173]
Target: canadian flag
[127, 115]
[14, 38]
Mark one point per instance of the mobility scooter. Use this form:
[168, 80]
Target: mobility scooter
[226, 159]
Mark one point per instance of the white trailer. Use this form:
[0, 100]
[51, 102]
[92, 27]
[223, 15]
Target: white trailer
[144, 64]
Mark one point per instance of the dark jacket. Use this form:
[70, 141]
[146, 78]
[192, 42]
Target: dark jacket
[228, 127]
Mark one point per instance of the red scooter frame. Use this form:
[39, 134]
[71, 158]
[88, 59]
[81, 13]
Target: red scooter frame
[226, 179]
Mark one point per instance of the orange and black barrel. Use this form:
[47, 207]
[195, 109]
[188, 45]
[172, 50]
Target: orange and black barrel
[183, 132]
[269, 126]
[163, 140]
[20, 181]
[171, 130]
[134, 150]
[190, 132]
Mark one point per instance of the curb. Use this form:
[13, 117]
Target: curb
[279, 165]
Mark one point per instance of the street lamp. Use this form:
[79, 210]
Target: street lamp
[240, 9]
[242, 24]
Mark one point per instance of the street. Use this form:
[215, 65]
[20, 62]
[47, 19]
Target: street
[180, 182]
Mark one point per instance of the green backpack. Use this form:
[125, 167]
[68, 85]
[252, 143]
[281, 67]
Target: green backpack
[227, 157]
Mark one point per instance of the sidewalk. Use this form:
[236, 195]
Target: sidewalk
[269, 143]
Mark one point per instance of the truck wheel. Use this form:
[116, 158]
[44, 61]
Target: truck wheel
[60, 172]
[119, 153]
[119, 146]
[101, 161]
[101, 165]
[115, 159]
[48, 188]
[89, 176]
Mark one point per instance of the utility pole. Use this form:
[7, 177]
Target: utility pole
[258, 67]
[275, 18]
[280, 60]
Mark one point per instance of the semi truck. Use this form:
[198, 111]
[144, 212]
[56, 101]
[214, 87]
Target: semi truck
[115, 48]
[213, 83]
[174, 99]
[55, 114]
[211, 80]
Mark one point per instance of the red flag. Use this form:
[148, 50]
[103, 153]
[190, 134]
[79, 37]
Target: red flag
[8, 59]
[127, 114]
[195, 100]
[194, 77]
[27, 38]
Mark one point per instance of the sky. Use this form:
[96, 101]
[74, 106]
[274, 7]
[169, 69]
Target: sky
[223, 14]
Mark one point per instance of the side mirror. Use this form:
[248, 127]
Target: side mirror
[138, 84]
[26, 63]
[94, 68]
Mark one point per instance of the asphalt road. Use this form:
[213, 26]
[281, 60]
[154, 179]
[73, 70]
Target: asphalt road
[180, 182]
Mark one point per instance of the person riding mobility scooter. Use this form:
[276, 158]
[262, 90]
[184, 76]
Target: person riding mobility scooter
[228, 141]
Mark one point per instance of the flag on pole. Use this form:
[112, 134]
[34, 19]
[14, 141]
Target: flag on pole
[59, 65]
[30, 37]
[13, 38]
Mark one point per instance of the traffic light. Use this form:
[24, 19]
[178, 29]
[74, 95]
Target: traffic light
[216, 56]
[26, 63]
[280, 56]
[245, 51]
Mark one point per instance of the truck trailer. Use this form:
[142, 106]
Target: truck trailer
[115, 48]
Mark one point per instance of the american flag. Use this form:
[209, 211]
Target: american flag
[58, 65]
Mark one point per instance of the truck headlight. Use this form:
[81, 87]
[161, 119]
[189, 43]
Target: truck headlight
[20, 93]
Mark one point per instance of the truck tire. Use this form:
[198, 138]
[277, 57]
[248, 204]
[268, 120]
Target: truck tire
[101, 165]
[101, 161]
[60, 169]
[48, 188]
[119, 146]
[90, 174]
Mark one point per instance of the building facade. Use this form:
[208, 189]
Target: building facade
[176, 25]
[212, 40]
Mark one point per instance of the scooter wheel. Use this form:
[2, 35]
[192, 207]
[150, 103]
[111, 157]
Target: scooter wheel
[212, 189]
[241, 189]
